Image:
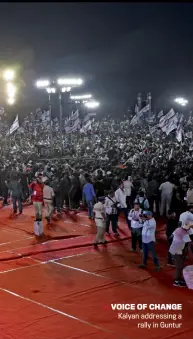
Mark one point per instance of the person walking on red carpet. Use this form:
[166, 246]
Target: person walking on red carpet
[36, 188]
[100, 217]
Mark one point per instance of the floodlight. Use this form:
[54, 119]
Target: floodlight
[51, 90]
[66, 89]
[181, 101]
[42, 83]
[69, 82]
[92, 104]
[8, 75]
[10, 101]
[81, 97]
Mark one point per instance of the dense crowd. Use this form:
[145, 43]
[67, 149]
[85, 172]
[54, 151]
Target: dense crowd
[113, 168]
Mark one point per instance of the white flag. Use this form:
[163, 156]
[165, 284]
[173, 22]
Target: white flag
[179, 134]
[171, 154]
[143, 110]
[168, 122]
[73, 123]
[160, 114]
[86, 127]
[134, 120]
[14, 126]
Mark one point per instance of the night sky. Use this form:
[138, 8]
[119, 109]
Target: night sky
[120, 49]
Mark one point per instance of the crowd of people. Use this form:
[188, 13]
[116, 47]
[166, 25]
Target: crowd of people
[112, 169]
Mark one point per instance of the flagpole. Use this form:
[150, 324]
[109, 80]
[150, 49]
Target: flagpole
[61, 141]
[50, 113]
[149, 102]
[139, 101]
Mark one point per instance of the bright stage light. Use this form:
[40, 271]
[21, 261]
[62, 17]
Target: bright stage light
[92, 104]
[66, 89]
[81, 97]
[42, 83]
[11, 90]
[51, 90]
[8, 75]
[69, 82]
[181, 101]
[10, 101]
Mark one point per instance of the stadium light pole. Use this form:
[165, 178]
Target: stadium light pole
[62, 85]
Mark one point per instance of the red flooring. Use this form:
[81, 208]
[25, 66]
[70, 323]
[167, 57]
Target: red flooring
[62, 288]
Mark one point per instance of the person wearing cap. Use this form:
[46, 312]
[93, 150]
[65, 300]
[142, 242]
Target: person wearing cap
[148, 239]
[100, 218]
[181, 236]
[36, 192]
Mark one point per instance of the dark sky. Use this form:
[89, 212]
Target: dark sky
[118, 48]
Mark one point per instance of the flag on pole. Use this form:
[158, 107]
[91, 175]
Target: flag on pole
[143, 110]
[160, 114]
[179, 133]
[14, 126]
[86, 127]
[169, 122]
[171, 154]
[134, 120]
[72, 123]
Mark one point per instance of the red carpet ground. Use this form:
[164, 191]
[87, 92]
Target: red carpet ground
[62, 288]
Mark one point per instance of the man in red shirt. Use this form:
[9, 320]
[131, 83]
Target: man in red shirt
[36, 188]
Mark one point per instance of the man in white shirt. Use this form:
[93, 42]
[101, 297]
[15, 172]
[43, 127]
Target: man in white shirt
[120, 197]
[186, 215]
[100, 218]
[148, 239]
[166, 196]
[48, 196]
[136, 227]
[111, 213]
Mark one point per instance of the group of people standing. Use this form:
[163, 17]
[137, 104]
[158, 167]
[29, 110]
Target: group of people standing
[142, 224]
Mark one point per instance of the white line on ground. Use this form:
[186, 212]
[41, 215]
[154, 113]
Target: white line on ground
[39, 263]
[78, 269]
[46, 242]
[57, 311]
[10, 242]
